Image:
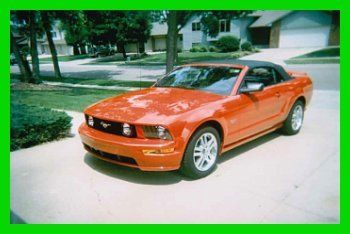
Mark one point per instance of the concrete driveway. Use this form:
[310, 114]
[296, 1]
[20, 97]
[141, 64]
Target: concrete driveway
[278, 55]
[274, 179]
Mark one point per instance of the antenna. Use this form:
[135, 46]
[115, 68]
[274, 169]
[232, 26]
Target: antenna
[140, 73]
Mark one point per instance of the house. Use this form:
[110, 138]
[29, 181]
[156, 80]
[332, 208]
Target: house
[157, 40]
[265, 29]
[284, 29]
[274, 29]
[60, 43]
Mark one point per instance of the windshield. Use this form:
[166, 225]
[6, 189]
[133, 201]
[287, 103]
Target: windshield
[215, 79]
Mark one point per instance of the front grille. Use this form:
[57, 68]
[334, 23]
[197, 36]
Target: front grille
[108, 126]
[114, 157]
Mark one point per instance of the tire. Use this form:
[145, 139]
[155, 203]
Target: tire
[197, 165]
[290, 127]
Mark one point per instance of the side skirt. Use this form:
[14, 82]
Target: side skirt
[250, 138]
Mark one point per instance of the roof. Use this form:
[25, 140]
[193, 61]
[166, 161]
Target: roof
[159, 29]
[268, 17]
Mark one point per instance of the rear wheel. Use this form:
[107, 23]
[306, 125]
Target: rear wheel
[201, 153]
[295, 118]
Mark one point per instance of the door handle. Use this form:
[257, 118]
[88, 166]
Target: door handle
[277, 94]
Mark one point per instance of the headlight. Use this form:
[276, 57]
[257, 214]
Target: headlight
[156, 132]
[91, 121]
[127, 130]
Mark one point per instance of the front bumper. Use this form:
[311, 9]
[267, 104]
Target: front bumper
[128, 151]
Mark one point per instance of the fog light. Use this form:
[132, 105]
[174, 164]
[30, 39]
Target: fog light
[158, 151]
[127, 131]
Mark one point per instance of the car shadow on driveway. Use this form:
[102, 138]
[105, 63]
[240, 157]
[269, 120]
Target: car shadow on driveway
[168, 177]
[132, 174]
[247, 146]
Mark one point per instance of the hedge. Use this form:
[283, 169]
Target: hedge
[32, 125]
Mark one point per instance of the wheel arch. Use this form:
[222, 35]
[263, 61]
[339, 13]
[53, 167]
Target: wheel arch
[212, 123]
[302, 99]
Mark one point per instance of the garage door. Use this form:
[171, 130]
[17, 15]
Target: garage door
[160, 44]
[304, 37]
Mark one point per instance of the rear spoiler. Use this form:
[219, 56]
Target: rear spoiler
[296, 74]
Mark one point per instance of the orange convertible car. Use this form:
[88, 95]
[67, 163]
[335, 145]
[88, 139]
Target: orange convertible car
[195, 113]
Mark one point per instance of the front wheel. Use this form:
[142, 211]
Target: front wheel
[295, 118]
[201, 153]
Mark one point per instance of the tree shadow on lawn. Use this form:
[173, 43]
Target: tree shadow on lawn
[167, 177]
[86, 74]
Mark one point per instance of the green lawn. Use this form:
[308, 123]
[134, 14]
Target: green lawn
[75, 99]
[313, 60]
[184, 57]
[93, 81]
[327, 52]
[326, 55]
[65, 58]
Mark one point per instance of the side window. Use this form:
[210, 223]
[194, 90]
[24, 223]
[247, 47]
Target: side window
[278, 76]
[263, 75]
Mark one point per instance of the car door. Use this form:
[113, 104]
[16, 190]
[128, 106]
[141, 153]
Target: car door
[259, 109]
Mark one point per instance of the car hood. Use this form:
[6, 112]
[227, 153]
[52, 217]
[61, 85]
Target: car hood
[153, 105]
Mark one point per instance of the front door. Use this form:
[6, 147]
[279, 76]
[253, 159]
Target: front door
[259, 110]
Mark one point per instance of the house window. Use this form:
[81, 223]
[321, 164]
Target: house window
[196, 26]
[225, 25]
[54, 34]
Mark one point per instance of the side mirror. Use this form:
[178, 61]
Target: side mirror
[252, 87]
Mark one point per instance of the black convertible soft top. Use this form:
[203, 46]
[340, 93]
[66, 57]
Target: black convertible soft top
[254, 63]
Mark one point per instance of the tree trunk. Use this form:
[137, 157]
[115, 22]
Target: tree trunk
[170, 43]
[47, 28]
[82, 49]
[176, 55]
[141, 47]
[33, 48]
[121, 49]
[76, 49]
[25, 74]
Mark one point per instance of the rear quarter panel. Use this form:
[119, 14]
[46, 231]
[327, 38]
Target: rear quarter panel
[303, 84]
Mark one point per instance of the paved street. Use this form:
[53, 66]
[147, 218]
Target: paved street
[274, 179]
[325, 76]
[76, 69]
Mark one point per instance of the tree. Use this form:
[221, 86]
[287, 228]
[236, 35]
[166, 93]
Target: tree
[138, 28]
[46, 18]
[73, 23]
[170, 41]
[32, 18]
[118, 28]
[176, 20]
[25, 72]
[210, 20]
[26, 24]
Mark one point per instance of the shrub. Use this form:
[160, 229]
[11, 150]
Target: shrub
[247, 46]
[32, 125]
[198, 48]
[228, 44]
[213, 49]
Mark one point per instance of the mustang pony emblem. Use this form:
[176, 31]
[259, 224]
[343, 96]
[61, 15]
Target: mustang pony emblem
[105, 125]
